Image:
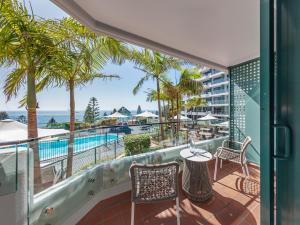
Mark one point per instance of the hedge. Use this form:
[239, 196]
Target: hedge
[136, 143]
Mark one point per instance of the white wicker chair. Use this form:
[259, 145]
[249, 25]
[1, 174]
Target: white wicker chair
[236, 155]
[154, 183]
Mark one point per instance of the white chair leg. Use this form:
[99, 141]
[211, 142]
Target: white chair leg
[132, 213]
[247, 170]
[216, 168]
[221, 163]
[244, 171]
[178, 211]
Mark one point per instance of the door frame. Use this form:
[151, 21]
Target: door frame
[266, 111]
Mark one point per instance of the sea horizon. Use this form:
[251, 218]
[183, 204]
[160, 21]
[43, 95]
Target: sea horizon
[60, 116]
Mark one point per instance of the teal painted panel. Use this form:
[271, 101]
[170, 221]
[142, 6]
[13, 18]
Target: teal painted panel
[287, 110]
[245, 106]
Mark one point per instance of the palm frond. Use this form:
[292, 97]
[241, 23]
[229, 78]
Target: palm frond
[23, 102]
[13, 82]
[140, 84]
[196, 101]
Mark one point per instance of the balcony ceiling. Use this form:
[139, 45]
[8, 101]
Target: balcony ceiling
[216, 33]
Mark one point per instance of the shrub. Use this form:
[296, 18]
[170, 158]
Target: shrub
[136, 143]
[78, 125]
[108, 122]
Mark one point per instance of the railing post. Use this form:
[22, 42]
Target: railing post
[62, 169]
[187, 137]
[106, 139]
[95, 154]
[100, 149]
[115, 145]
[158, 135]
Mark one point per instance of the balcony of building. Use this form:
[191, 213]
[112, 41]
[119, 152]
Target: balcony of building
[220, 103]
[211, 75]
[236, 201]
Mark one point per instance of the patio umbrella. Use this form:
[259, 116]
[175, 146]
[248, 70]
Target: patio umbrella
[147, 115]
[182, 118]
[116, 115]
[208, 117]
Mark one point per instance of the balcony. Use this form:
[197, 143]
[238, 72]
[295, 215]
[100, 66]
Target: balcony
[219, 83]
[236, 201]
[205, 95]
[218, 74]
[211, 75]
[99, 188]
[207, 86]
[100, 194]
[215, 84]
[216, 93]
[219, 103]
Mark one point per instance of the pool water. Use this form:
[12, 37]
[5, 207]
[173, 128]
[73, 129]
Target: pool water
[57, 148]
[52, 149]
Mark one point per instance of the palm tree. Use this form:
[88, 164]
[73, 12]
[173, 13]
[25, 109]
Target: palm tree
[82, 56]
[194, 102]
[154, 65]
[164, 96]
[152, 95]
[188, 85]
[26, 48]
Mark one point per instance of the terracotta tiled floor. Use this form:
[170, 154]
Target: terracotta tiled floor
[236, 201]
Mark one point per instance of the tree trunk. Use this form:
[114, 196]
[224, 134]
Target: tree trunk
[32, 128]
[168, 110]
[194, 115]
[178, 113]
[164, 110]
[172, 117]
[72, 129]
[159, 110]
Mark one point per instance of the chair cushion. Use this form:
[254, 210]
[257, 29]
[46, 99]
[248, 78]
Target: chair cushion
[155, 185]
[152, 183]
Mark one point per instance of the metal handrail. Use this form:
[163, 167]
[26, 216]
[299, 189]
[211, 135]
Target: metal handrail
[62, 158]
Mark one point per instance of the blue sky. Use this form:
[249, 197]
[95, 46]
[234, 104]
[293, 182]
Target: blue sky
[110, 94]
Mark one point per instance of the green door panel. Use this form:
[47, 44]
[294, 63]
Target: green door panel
[288, 111]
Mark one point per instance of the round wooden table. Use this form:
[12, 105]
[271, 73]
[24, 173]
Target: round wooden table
[196, 181]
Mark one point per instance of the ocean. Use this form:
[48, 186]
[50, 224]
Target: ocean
[44, 116]
[60, 116]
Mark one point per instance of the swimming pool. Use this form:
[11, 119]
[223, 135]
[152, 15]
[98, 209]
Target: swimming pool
[56, 148]
[52, 149]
